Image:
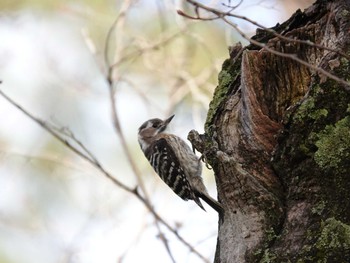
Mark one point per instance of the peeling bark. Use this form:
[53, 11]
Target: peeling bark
[278, 138]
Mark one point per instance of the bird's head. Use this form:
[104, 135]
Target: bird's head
[151, 128]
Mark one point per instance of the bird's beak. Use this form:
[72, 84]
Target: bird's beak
[168, 120]
[165, 123]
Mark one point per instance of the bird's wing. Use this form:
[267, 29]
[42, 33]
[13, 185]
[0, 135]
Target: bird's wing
[166, 164]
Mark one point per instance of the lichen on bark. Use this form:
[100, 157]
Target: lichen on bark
[333, 241]
[228, 75]
[333, 147]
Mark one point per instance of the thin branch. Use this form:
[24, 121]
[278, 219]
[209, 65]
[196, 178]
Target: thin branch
[174, 231]
[138, 52]
[181, 13]
[233, 7]
[126, 5]
[68, 133]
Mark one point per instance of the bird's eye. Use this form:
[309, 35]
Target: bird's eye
[155, 125]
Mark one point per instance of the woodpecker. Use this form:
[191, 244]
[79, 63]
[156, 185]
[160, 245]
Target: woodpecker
[175, 163]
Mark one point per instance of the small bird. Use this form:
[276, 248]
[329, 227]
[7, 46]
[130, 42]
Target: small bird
[175, 163]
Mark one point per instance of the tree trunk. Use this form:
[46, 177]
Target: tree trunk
[278, 138]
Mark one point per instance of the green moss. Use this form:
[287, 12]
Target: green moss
[319, 113]
[344, 13]
[227, 76]
[331, 245]
[319, 207]
[270, 234]
[308, 109]
[334, 240]
[268, 257]
[220, 93]
[305, 150]
[333, 145]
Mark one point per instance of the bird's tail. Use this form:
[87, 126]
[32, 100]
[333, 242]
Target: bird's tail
[198, 202]
[210, 201]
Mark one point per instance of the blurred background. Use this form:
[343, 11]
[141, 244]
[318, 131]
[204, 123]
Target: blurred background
[56, 207]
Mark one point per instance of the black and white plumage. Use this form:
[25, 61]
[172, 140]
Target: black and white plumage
[175, 163]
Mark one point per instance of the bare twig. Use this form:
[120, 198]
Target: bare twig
[139, 51]
[123, 11]
[68, 133]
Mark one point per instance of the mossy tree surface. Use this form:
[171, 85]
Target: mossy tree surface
[278, 139]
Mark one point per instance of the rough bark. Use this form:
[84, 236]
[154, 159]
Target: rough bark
[277, 136]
